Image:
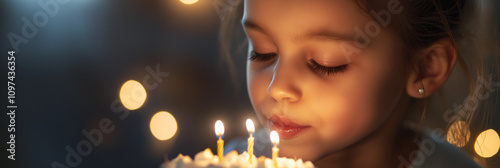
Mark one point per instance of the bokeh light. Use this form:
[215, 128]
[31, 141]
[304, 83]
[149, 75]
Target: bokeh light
[163, 125]
[458, 134]
[132, 94]
[189, 2]
[487, 143]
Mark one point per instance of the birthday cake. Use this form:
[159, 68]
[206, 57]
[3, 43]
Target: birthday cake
[234, 160]
[207, 159]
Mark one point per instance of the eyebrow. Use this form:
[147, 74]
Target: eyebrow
[326, 35]
[320, 34]
[248, 24]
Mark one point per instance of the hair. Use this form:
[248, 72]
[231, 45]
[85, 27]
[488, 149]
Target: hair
[468, 24]
[475, 39]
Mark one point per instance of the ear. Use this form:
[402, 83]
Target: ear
[432, 67]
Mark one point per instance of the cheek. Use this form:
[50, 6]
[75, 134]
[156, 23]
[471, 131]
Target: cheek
[350, 113]
[257, 81]
[362, 100]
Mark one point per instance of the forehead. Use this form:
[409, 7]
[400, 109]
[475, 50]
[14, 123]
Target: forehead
[290, 16]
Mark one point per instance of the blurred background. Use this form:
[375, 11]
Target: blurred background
[73, 58]
[70, 72]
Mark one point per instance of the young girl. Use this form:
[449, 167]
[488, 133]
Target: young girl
[339, 79]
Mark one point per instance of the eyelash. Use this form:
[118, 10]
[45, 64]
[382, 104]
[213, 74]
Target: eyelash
[323, 70]
[320, 69]
[261, 57]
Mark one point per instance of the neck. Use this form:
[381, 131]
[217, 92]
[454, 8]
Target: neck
[379, 149]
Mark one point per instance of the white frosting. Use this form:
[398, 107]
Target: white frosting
[232, 160]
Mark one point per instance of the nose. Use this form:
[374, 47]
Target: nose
[283, 86]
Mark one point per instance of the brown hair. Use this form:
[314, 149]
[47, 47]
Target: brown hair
[423, 23]
[468, 25]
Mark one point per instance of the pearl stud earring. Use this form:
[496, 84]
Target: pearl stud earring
[421, 91]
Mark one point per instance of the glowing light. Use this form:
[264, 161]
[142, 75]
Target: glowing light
[458, 134]
[250, 126]
[275, 138]
[132, 95]
[189, 2]
[487, 143]
[163, 125]
[250, 143]
[219, 131]
[219, 128]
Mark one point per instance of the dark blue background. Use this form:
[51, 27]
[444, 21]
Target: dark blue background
[69, 74]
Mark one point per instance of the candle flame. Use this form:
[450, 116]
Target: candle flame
[250, 126]
[219, 128]
[275, 138]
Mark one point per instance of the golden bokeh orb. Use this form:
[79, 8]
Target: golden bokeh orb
[163, 125]
[189, 2]
[132, 95]
[487, 143]
[458, 134]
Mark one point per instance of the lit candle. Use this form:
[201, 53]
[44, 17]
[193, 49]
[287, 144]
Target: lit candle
[275, 139]
[219, 131]
[251, 129]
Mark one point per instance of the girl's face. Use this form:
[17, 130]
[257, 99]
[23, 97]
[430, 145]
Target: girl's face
[309, 81]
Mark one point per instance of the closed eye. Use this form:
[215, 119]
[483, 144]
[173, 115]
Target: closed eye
[324, 70]
[254, 56]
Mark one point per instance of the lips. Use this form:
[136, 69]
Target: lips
[286, 128]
